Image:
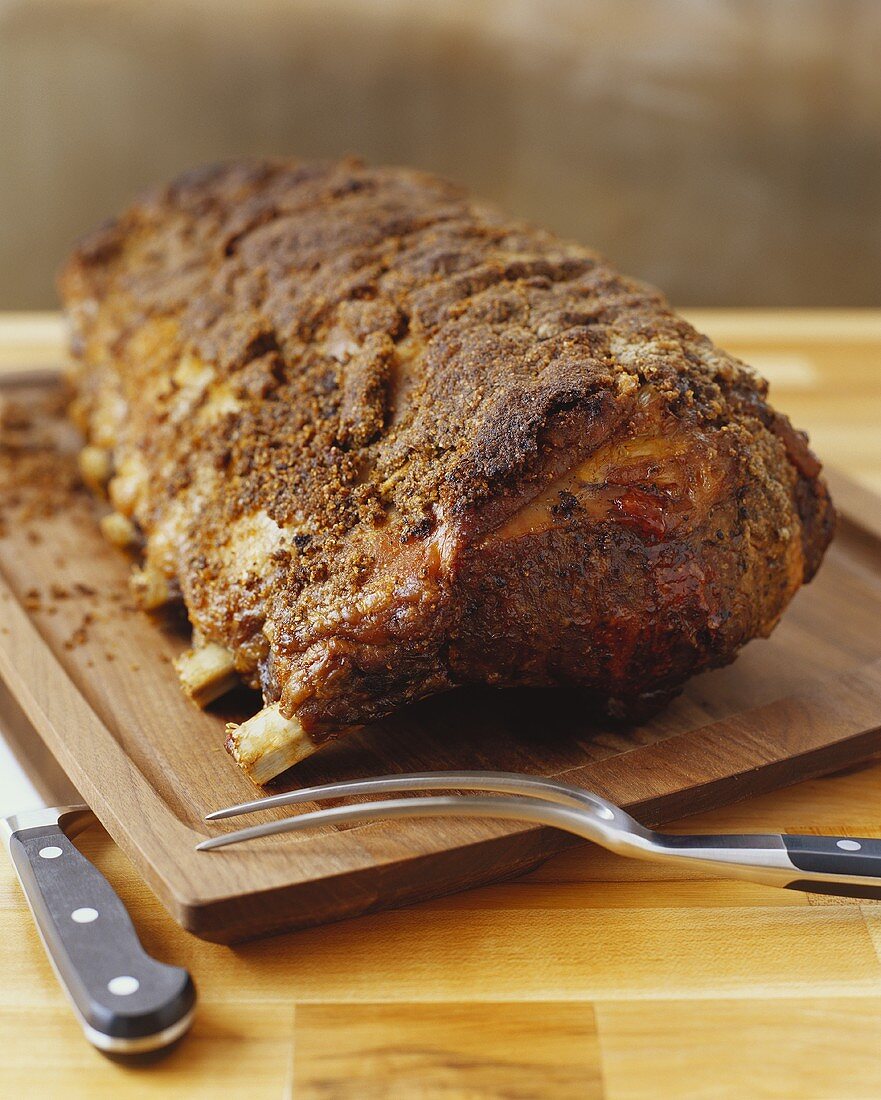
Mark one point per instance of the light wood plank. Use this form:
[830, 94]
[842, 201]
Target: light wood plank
[514, 954]
[31, 341]
[791, 327]
[373, 1051]
[872, 913]
[811, 1048]
[650, 892]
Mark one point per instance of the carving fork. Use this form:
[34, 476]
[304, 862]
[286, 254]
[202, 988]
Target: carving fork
[844, 866]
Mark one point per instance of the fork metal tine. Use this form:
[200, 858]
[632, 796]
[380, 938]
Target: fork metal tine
[521, 808]
[497, 782]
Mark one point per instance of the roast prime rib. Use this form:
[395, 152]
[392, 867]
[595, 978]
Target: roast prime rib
[382, 440]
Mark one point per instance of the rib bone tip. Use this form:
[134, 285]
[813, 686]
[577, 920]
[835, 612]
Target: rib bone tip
[150, 588]
[268, 744]
[119, 530]
[206, 672]
[95, 467]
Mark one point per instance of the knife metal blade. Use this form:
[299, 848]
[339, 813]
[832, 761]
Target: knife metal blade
[126, 1001]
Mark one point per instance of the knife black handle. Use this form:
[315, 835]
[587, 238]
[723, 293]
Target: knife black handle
[127, 1001]
[839, 858]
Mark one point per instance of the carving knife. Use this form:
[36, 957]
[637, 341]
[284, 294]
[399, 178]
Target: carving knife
[126, 1001]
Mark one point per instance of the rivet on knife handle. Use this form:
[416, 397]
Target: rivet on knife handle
[127, 1001]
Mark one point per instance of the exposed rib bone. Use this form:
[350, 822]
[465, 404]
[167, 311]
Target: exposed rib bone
[119, 530]
[206, 672]
[123, 491]
[95, 467]
[268, 743]
[150, 588]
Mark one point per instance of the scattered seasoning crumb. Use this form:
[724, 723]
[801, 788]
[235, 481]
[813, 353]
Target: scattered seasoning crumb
[38, 475]
[38, 479]
[78, 638]
[32, 599]
[81, 635]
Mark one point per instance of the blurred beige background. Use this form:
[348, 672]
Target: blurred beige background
[727, 150]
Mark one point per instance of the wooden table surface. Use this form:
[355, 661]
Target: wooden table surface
[592, 977]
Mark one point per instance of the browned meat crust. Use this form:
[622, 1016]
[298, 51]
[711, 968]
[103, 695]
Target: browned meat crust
[384, 441]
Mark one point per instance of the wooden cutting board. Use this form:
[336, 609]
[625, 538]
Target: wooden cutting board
[95, 678]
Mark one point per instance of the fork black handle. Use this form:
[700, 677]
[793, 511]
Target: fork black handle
[841, 859]
[127, 1001]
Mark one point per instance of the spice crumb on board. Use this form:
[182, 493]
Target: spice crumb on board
[38, 476]
[78, 638]
[81, 634]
